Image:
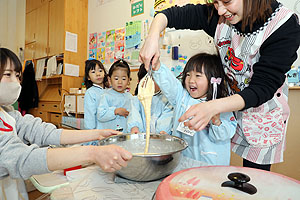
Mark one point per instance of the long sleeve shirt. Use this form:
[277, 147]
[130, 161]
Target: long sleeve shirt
[20, 140]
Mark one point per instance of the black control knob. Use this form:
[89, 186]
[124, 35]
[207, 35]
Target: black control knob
[240, 181]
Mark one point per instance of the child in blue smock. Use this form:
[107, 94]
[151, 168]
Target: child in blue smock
[161, 111]
[115, 102]
[96, 81]
[211, 145]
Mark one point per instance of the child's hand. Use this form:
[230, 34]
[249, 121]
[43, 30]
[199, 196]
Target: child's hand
[163, 133]
[103, 133]
[216, 120]
[122, 112]
[135, 130]
[111, 157]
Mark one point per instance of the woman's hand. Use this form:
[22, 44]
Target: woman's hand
[111, 157]
[150, 49]
[199, 114]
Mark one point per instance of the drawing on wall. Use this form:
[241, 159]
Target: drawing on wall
[109, 55]
[110, 38]
[120, 34]
[101, 55]
[101, 39]
[92, 53]
[93, 41]
[119, 49]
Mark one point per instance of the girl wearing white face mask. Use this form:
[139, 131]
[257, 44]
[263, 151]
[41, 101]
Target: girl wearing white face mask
[21, 137]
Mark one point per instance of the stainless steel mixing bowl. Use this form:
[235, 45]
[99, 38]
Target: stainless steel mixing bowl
[167, 154]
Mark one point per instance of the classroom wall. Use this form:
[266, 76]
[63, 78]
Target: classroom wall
[12, 24]
[115, 13]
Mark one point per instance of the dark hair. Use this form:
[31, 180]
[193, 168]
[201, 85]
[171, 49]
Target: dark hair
[253, 11]
[119, 64]
[91, 65]
[211, 66]
[141, 73]
[7, 55]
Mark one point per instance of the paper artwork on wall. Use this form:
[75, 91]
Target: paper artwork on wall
[119, 49]
[109, 55]
[133, 34]
[120, 34]
[93, 53]
[101, 55]
[101, 39]
[93, 41]
[110, 38]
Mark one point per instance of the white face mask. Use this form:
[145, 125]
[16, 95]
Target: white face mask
[9, 93]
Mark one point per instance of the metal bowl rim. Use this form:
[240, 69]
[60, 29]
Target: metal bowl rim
[185, 144]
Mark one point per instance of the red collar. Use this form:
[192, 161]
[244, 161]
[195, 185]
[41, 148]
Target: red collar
[7, 128]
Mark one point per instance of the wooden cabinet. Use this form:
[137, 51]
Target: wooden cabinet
[33, 4]
[41, 31]
[47, 21]
[56, 28]
[30, 27]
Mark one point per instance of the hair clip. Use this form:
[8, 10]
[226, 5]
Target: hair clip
[91, 58]
[215, 82]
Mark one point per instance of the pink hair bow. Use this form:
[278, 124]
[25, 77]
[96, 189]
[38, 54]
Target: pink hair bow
[215, 82]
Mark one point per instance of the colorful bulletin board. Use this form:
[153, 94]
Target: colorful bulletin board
[120, 43]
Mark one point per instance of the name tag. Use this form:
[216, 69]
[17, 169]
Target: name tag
[184, 129]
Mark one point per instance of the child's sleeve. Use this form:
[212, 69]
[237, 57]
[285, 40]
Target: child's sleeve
[90, 110]
[32, 130]
[226, 130]
[170, 86]
[136, 115]
[165, 121]
[105, 112]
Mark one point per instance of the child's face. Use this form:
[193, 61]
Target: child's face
[196, 84]
[9, 75]
[96, 75]
[232, 10]
[119, 80]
